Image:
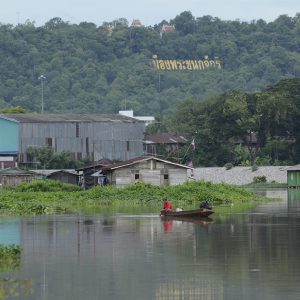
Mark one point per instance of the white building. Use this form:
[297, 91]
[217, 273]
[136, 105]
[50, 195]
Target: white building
[129, 113]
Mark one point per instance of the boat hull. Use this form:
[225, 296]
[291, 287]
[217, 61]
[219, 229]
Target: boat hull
[195, 213]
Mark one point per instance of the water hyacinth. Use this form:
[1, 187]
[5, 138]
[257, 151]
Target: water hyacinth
[48, 197]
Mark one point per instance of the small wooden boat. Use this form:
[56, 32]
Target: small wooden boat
[195, 213]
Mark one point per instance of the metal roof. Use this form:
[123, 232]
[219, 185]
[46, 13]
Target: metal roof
[16, 172]
[47, 172]
[44, 118]
[294, 168]
[136, 160]
[165, 138]
[100, 163]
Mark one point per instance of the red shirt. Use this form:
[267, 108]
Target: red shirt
[168, 205]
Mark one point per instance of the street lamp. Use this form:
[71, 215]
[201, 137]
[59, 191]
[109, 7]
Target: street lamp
[42, 78]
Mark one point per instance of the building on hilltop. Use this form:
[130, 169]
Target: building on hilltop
[136, 23]
[166, 28]
[108, 29]
[93, 137]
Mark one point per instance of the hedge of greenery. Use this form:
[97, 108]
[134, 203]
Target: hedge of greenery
[44, 186]
[46, 197]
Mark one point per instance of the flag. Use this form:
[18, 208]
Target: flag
[193, 144]
[190, 164]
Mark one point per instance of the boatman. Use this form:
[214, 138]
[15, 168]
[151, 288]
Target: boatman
[168, 207]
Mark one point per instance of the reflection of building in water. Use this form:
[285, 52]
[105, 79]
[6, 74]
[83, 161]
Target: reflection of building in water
[294, 200]
[190, 288]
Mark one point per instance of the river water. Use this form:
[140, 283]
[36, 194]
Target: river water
[253, 255]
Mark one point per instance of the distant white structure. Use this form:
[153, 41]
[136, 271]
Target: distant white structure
[129, 113]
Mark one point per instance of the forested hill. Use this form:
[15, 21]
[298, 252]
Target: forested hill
[88, 69]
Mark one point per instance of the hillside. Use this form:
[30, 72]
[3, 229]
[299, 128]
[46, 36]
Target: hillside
[88, 69]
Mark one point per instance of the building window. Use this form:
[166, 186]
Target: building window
[77, 130]
[165, 176]
[127, 145]
[79, 155]
[49, 141]
[136, 174]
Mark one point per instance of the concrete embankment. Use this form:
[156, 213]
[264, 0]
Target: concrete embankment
[241, 175]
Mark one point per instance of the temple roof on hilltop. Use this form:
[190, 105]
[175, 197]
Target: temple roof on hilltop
[167, 28]
[136, 23]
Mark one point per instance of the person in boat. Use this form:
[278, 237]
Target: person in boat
[205, 204]
[168, 206]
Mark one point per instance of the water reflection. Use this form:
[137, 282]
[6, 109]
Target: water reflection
[247, 256]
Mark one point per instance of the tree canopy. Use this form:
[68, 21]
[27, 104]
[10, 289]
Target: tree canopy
[90, 68]
[243, 128]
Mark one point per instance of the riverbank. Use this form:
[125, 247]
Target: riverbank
[49, 198]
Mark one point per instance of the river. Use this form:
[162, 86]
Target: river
[252, 255]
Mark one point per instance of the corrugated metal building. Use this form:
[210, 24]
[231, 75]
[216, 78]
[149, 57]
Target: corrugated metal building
[293, 177]
[115, 137]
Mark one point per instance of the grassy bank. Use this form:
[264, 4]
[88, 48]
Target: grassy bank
[46, 197]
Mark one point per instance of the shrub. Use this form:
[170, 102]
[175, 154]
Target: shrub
[259, 179]
[254, 168]
[228, 166]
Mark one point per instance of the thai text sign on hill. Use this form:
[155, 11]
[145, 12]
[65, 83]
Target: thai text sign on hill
[193, 65]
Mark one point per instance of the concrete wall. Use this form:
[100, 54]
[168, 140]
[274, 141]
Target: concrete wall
[241, 175]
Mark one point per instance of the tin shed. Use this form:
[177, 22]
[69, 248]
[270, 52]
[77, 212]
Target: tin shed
[293, 177]
[14, 176]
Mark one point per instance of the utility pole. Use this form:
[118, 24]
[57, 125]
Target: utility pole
[42, 78]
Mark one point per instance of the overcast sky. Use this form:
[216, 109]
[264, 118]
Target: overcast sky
[149, 12]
